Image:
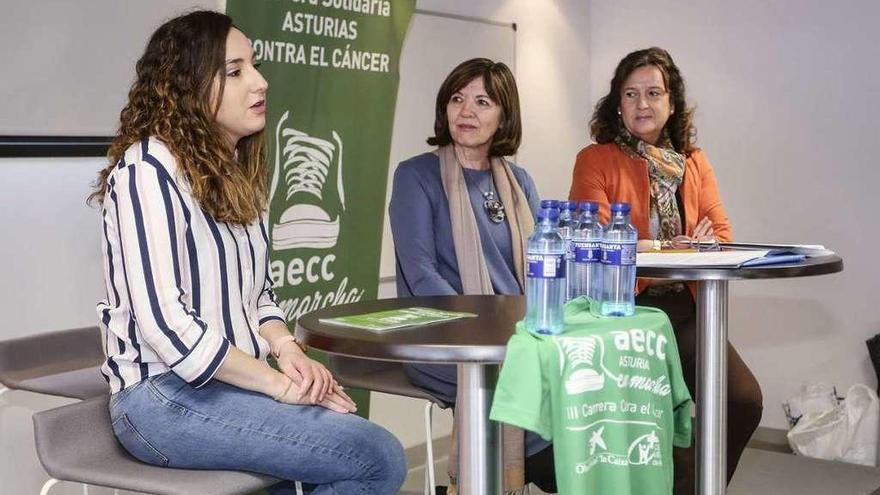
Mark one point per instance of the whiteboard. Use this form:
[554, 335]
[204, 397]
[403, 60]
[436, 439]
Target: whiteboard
[434, 45]
[68, 65]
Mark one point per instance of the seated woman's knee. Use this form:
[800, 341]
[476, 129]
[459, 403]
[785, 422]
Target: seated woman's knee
[746, 402]
[387, 455]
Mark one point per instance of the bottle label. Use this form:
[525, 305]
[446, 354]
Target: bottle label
[586, 251]
[619, 253]
[546, 265]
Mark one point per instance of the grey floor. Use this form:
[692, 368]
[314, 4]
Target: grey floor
[763, 472]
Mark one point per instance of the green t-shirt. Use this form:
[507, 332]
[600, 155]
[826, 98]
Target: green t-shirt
[609, 394]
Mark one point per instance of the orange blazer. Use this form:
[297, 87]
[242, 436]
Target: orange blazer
[605, 174]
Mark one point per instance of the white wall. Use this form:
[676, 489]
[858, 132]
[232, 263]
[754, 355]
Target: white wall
[551, 72]
[51, 238]
[788, 98]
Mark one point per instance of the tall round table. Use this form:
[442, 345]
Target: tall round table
[712, 304]
[477, 345]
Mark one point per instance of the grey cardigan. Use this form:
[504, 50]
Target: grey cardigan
[422, 230]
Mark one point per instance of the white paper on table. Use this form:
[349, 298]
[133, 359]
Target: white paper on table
[698, 259]
[808, 250]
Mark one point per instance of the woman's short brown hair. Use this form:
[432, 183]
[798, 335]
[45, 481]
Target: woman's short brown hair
[500, 87]
[606, 123]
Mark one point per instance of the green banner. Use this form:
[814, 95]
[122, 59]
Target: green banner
[332, 69]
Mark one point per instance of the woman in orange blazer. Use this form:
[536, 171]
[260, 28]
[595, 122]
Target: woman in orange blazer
[645, 156]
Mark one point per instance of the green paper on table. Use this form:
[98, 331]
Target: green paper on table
[382, 321]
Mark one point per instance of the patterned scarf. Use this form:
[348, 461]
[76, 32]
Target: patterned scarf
[665, 170]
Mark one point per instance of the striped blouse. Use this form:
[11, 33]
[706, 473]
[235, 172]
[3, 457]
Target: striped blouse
[181, 287]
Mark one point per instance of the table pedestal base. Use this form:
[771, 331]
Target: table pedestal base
[711, 429]
[479, 461]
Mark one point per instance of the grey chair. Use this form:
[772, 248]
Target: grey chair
[76, 443]
[64, 363]
[388, 377]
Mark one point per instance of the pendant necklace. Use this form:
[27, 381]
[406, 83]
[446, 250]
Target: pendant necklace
[493, 206]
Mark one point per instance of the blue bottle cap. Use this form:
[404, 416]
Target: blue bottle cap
[590, 206]
[549, 203]
[568, 205]
[548, 213]
[619, 207]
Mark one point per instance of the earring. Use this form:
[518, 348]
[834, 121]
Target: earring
[618, 112]
[671, 112]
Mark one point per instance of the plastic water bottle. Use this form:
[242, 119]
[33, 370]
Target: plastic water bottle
[567, 223]
[567, 220]
[619, 263]
[545, 273]
[585, 264]
[550, 203]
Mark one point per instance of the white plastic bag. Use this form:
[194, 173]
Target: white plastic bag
[846, 432]
[814, 399]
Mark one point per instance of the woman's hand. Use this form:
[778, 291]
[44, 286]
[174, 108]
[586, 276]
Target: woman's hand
[703, 232]
[245, 371]
[681, 242]
[644, 245]
[314, 382]
[290, 393]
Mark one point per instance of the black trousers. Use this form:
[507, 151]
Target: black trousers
[744, 399]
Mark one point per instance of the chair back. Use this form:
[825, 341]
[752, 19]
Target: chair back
[53, 352]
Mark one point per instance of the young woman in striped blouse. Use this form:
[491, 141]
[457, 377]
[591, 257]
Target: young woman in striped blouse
[190, 316]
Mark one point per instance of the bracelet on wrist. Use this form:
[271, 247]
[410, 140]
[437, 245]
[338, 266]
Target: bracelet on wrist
[280, 343]
[286, 389]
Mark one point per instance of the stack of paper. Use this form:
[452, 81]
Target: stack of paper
[704, 259]
[733, 255]
[808, 250]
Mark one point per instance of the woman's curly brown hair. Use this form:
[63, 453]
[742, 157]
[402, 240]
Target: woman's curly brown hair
[606, 124]
[171, 100]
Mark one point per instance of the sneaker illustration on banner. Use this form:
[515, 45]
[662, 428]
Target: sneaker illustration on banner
[304, 165]
[587, 369]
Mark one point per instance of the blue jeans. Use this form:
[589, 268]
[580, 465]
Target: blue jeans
[166, 422]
